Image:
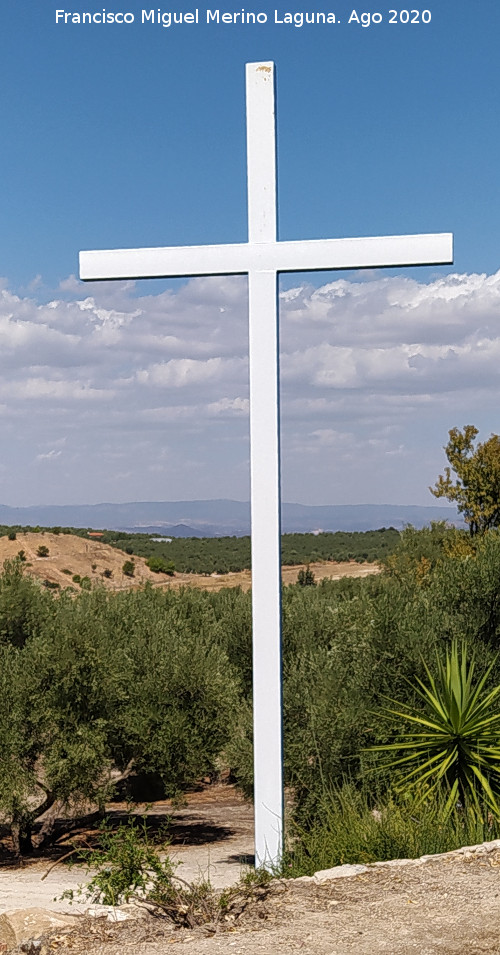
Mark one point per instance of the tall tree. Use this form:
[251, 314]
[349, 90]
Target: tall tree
[476, 489]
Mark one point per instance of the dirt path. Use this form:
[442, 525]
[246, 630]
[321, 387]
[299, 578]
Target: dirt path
[212, 837]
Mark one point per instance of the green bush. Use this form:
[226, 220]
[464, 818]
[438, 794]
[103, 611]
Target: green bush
[160, 566]
[128, 568]
[42, 551]
[129, 867]
[23, 606]
[100, 682]
[305, 578]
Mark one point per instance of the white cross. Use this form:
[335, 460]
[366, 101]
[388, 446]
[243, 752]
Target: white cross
[262, 257]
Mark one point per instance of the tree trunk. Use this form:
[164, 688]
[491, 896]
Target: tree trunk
[21, 835]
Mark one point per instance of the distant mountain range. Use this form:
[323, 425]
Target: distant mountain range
[222, 518]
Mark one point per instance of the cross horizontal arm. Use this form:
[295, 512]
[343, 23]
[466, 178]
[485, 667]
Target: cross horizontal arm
[306, 256]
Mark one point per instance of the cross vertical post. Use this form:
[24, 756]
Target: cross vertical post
[262, 258]
[264, 469]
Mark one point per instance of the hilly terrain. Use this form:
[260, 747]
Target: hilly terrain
[219, 518]
[76, 561]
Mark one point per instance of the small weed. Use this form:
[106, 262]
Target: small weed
[179, 801]
[257, 877]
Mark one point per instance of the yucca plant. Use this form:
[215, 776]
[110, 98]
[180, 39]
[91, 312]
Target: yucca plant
[455, 744]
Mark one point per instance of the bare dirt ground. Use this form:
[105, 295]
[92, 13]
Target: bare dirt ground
[327, 568]
[449, 905]
[441, 907]
[70, 555]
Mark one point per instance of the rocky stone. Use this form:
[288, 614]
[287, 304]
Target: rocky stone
[339, 872]
[23, 925]
[116, 913]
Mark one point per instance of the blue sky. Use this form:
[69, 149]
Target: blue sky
[131, 135]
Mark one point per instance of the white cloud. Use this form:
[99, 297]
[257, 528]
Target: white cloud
[48, 456]
[38, 389]
[370, 370]
[228, 406]
[185, 372]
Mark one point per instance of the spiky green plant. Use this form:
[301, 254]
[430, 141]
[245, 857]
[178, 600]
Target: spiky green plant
[458, 745]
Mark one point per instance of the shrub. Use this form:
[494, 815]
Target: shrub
[94, 683]
[128, 568]
[129, 866]
[12, 535]
[305, 578]
[453, 739]
[160, 566]
[107, 572]
[42, 551]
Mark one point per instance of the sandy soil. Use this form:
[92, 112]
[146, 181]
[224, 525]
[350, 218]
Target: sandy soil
[70, 555]
[327, 568]
[438, 908]
[444, 907]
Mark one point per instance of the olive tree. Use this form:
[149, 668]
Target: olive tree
[476, 489]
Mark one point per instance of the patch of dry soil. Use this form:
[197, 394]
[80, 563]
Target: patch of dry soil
[448, 906]
[70, 555]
